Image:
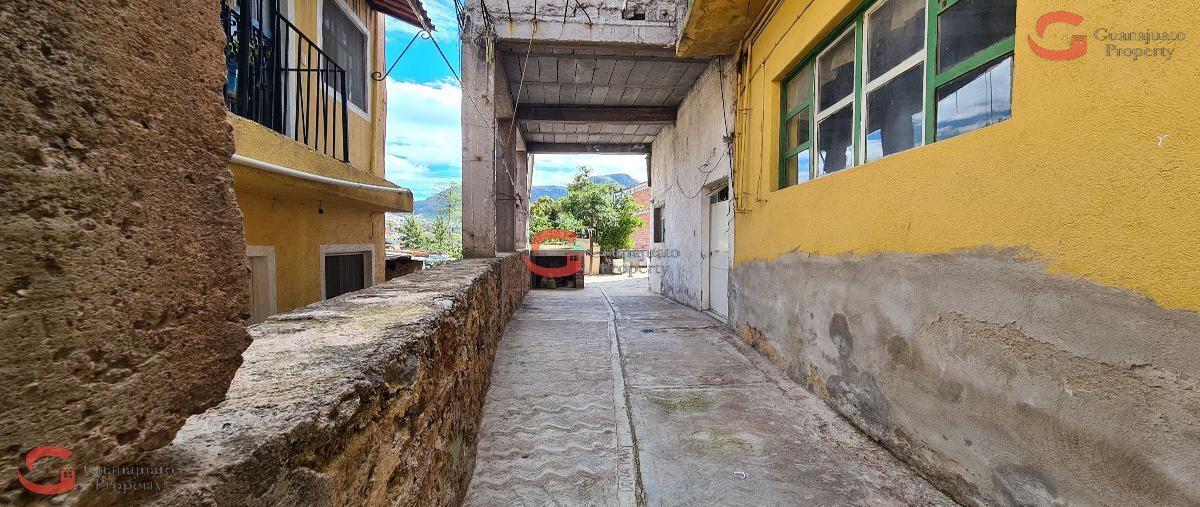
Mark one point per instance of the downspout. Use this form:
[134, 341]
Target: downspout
[287, 171]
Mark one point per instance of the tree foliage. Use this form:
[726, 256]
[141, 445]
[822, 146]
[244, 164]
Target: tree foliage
[443, 234]
[589, 209]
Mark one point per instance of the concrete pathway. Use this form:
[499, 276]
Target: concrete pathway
[613, 395]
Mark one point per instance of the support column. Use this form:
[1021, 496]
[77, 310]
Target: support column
[506, 186]
[521, 219]
[478, 143]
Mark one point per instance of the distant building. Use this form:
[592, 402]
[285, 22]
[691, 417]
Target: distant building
[641, 195]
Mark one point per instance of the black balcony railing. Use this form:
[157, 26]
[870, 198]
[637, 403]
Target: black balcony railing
[280, 78]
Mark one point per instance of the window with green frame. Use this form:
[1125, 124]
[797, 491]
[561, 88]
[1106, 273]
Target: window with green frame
[897, 75]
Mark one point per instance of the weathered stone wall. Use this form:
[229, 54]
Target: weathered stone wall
[1005, 384]
[688, 159]
[123, 270]
[372, 398]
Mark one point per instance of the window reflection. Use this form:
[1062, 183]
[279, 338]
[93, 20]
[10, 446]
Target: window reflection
[897, 31]
[835, 72]
[798, 169]
[799, 88]
[797, 130]
[835, 141]
[970, 26]
[977, 99]
[894, 115]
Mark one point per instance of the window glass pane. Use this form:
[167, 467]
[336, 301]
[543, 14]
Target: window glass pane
[346, 44]
[835, 72]
[894, 114]
[980, 98]
[835, 141]
[799, 88]
[797, 169]
[971, 26]
[897, 31]
[797, 130]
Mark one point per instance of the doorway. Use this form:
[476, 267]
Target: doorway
[720, 221]
[261, 260]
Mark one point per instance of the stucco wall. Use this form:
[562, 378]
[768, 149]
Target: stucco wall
[1012, 310]
[372, 398]
[123, 270]
[366, 127]
[687, 160]
[297, 228]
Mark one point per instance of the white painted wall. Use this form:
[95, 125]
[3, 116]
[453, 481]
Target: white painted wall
[689, 159]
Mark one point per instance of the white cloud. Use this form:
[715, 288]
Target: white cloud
[441, 12]
[424, 139]
[559, 169]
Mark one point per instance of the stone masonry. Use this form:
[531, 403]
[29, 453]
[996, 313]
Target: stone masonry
[370, 398]
[123, 272]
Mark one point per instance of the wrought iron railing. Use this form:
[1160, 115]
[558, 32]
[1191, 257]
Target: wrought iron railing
[280, 78]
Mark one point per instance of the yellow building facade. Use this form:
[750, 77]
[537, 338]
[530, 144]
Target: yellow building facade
[309, 128]
[972, 226]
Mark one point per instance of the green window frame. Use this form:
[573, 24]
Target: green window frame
[802, 111]
[934, 79]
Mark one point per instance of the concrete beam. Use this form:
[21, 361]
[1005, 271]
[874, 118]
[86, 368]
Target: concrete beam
[587, 148]
[597, 114]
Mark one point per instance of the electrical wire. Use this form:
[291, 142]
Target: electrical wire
[425, 27]
[377, 76]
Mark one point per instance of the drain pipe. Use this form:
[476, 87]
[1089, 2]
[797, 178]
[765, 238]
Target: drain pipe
[278, 169]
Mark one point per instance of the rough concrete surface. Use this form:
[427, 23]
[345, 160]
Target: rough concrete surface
[1006, 384]
[687, 160]
[123, 271]
[712, 423]
[640, 22]
[371, 398]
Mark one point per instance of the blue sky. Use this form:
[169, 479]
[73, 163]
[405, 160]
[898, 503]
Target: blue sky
[424, 140]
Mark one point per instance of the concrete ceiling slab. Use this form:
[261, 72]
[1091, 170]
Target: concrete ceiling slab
[596, 76]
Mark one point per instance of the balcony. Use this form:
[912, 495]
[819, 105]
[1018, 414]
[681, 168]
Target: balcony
[282, 79]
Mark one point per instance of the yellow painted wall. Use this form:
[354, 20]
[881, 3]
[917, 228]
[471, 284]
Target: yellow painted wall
[297, 231]
[366, 131]
[1077, 177]
[281, 211]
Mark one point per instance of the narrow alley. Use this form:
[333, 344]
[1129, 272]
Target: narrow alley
[609, 393]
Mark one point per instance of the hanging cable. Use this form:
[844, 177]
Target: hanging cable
[380, 77]
[426, 29]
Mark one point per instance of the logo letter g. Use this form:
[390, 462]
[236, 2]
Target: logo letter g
[1078, 42]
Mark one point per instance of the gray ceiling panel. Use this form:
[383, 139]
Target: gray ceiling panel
[596, 76]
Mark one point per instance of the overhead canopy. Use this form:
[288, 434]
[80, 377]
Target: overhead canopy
[595, 98]
[401, 10]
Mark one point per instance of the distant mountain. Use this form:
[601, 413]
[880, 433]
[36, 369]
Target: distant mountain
[559, 191]
[552, 191]
[431, 206]
[621, 179]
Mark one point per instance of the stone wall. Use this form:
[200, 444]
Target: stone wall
[688, 159]
[123, 272]
[1003, 383]
[371, 398]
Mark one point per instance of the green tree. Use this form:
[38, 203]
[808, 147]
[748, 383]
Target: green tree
[453, 208]
[444, 239]
[545, 213]
[590, 209]
[447, 227]
[412, 233]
